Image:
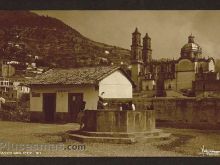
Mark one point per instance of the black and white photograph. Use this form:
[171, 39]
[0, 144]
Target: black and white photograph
[109, 83]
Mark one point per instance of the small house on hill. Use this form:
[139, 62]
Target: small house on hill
[57, 94]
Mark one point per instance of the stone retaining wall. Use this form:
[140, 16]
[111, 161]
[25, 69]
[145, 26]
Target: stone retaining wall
[188, 112]
[191, 112]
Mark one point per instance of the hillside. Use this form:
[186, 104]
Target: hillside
[24, 34]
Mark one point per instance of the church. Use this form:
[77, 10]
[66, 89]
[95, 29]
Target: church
[163, 75]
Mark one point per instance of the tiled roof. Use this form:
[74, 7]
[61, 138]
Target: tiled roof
[75, 76]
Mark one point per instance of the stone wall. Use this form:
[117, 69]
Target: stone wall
[203, 113]
[206, 85]
[207, 88]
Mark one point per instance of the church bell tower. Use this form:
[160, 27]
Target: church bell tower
[147, 51]
[136, 58]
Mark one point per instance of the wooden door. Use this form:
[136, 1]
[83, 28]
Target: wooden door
[75, 102]
[49, 106]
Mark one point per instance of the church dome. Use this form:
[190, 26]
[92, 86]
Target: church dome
[191, 49]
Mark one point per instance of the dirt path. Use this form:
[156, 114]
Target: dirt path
[184, 142]
[191, 141]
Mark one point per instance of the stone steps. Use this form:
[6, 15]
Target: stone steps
[120, 134]
[161, 136]
[83, 138]
[116, 137]
[173, 93]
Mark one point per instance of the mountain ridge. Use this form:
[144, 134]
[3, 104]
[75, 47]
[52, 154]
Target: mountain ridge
[54, 41]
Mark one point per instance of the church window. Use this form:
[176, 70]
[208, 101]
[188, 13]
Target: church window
[147, 88]
[169, 87]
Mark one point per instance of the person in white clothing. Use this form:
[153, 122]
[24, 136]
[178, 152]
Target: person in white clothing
[120, 107]
[133, 107]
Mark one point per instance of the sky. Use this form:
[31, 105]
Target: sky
[169, 30]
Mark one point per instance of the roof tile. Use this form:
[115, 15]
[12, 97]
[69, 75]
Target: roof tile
[77, 76]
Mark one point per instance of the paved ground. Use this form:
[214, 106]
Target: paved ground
[184, 142]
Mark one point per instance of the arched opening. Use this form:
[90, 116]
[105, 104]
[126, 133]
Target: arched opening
[169, 86]
[147, 88]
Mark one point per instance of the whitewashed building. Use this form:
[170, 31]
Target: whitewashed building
[13, 89]
[57, 94]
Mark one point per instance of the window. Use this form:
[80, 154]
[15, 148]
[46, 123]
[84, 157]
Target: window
[169, 87]
[147, 87]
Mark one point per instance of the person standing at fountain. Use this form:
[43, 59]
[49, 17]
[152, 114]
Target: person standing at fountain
[120, 106]
[133, 106]
[101, 104]
[81, 115]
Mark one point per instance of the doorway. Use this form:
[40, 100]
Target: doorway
[74, 104]
[49, 107]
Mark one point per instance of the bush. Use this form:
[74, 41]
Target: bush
[13, 112]
[9, 106]
[24, 101]
[24, 97]
[18, 115]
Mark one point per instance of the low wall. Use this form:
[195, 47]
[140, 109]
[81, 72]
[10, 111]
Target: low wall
[119, 121]
[202, 113]
[191, 112]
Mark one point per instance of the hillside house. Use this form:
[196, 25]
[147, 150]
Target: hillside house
[13, 88]
[57, 93]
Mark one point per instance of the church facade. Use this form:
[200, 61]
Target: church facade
[166, 74]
